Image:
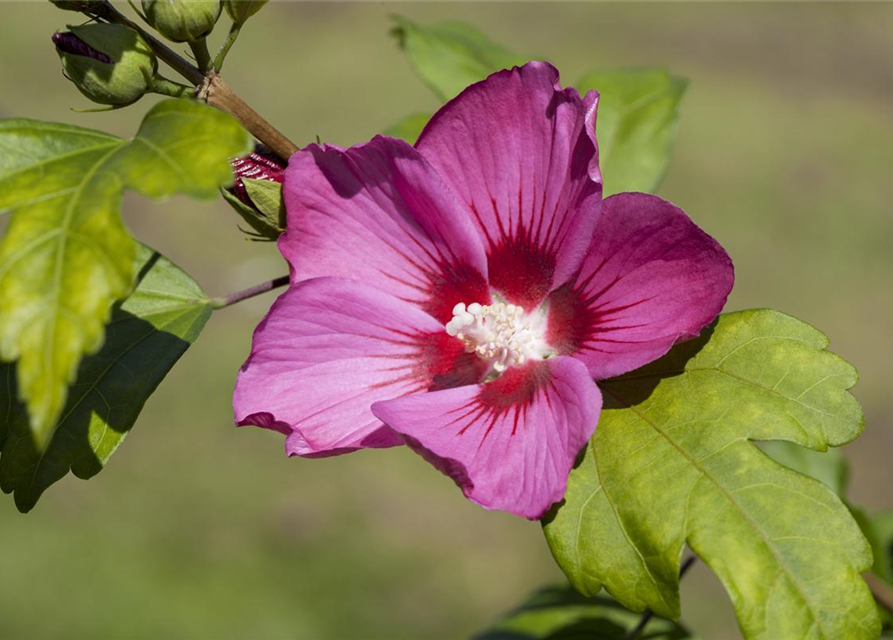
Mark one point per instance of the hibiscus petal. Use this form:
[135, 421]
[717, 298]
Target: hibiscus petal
[520, 151]
[509, 444]
[380, 214]
[651, 278]
[327, 350]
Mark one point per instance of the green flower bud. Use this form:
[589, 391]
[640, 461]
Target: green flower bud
[77, 5]
[182, 20]
[241, 10]
[108, 63]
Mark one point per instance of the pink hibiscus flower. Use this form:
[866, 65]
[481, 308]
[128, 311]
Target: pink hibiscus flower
[461, 296]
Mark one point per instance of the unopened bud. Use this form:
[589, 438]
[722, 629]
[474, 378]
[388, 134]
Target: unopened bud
[108, 63]
[260, 165]
[241, 10]
[182, 20]
[84, 6]
[266, 216]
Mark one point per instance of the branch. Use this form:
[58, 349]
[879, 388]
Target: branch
[212, 89]
[217, 93]
[250, 292]
[646, 617]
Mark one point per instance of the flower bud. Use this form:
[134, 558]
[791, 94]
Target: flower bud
[108, 63]
[182, 20]
[77, 5]
[241, 10]
[265, 217]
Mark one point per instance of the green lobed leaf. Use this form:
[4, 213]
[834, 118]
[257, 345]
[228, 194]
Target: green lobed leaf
[671, 462]
[449, 56]
[878, 529]
[560, 612]
[638, 113]
[409, 128]
[830, 467]
[183, 147]
[66, 256]
[148, 333]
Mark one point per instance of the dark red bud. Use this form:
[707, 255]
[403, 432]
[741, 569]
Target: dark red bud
[67, 42]
[260, 165]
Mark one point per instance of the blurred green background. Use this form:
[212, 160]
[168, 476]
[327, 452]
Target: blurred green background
[199, 530]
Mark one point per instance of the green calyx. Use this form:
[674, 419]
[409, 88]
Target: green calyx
[182, 20]
[241, 10]
[110, 64]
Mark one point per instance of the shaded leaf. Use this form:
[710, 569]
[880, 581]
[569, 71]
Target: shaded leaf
[148, 333]
[449, 56]
[671, 462]
[560, 612]
[409, 128]
[66, 256]
[638, 113]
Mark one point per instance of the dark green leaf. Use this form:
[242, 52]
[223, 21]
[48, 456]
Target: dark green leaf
[638, 113]
[450, 56]
[409, 128]
[148, 333]
[671, 462]
[560, 612]
[66, 256]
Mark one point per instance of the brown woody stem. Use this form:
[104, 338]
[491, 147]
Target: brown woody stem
[212, 89]
[217, 93]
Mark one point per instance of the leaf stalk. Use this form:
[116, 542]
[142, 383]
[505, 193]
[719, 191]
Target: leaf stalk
[226, 46]
[251, 292]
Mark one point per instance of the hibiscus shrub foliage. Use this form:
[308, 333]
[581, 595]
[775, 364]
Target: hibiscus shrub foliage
[491, 285]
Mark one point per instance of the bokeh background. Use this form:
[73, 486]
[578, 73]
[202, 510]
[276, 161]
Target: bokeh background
[199, 530]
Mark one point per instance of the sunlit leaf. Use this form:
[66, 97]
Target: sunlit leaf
[449, 56]
[267, 197]
[672, 462]
[828, 466]
[878, 529]
[148, 333]
[66, 256]
[638, 113]
[409, 128]
[560, 612]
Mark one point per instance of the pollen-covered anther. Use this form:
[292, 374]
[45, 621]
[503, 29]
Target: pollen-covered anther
[501, 334]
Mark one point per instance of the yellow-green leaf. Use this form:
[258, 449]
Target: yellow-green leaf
[66, 256]
[672, 462]
[148, 333]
